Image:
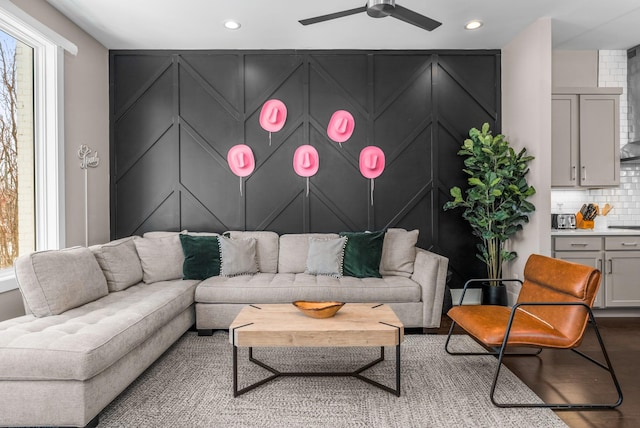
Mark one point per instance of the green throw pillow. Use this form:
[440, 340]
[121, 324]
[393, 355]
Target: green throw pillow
[201, 256]
[362, 254]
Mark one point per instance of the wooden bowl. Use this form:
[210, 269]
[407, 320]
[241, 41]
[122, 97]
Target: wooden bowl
[318, 309]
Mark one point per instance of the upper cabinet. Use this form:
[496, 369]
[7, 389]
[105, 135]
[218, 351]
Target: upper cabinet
[585, 137]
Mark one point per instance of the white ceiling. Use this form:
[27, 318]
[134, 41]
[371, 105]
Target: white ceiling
[273, 24]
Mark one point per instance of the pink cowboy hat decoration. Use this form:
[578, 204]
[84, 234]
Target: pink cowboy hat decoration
[340, 126]
[273, 116]
[306, 162]
[241, 161]
[371, 164]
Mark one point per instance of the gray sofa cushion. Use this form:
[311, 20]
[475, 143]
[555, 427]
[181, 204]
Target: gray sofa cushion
[283, 287]
[398, 252]
[119, 262]
[267, 244]
[53, 282]
[83, 342]
[294, 249]
[161, 257]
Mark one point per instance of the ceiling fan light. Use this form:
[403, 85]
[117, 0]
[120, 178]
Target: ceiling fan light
[230, 24]
[473, 24]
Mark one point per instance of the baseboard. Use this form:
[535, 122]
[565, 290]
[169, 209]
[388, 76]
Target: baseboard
[471, 297]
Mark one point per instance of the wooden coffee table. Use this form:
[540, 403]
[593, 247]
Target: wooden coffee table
[282, 325]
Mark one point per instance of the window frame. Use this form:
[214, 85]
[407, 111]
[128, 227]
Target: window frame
[48, 86]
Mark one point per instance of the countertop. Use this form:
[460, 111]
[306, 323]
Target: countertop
[595, 232]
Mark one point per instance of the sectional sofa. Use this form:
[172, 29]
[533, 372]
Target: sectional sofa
[99, 316]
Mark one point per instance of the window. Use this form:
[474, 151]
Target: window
[17, 210]
[44, 227]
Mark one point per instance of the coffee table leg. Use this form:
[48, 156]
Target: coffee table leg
[395, 391]
[276, 373]
[398, 370]
[235, 371]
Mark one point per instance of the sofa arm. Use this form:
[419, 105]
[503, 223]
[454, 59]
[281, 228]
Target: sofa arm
[430, 271]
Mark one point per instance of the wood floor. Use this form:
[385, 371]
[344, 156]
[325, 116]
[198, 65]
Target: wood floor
[562, 375]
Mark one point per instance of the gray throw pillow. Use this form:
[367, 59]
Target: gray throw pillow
[161, 258]
[266, 247]
[237, 256]
[119, 262]
[325, 256]
[294, 248]
[398, 252]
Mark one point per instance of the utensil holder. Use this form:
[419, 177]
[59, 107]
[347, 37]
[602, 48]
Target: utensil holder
[581, 223]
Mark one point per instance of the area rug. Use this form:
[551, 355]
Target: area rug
[191, 386]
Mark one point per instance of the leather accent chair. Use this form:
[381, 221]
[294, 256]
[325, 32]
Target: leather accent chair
[553, 310]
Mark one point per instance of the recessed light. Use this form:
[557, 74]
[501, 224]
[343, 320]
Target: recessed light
[230, 24]
[473, 25]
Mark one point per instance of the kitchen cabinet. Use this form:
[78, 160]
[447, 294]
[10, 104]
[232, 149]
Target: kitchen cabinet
[617, 257]
[585, 137]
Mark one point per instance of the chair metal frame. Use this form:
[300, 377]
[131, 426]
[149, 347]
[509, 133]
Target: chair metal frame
[501, 353]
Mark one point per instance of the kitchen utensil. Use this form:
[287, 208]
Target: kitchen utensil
[591, 212]
[606, 209]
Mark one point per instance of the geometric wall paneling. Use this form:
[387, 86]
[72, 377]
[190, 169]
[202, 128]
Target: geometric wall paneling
[200, 166]
[220, 72]
[290, 218]
[455, 241]
[175, 115]
[166, 216]
[453, 229]
[265, 73]
[340, 188]
[476, 73]
[473, 84]
[470, 83]
[346, 72]
[136, 74]
[393, 73]
[456, 97]
[149, 181]
[401, 120]
[198, 216]
[273, 184]
[290, 92]
[346, 82]
[414, 169]
[136, 130]
[207, 112]
[325, 216]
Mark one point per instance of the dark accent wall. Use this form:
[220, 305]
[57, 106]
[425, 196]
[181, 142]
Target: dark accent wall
[174, 116]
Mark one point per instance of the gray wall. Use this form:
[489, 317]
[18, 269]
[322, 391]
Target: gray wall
[86, 110]
[526, 121]
[11, 305]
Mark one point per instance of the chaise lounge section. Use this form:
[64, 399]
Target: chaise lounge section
[85, 341]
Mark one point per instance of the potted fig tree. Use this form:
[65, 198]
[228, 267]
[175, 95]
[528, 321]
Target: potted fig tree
[495, 202]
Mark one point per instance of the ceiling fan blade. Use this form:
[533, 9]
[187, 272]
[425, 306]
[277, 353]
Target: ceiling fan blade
[415, 18]
[333, 16]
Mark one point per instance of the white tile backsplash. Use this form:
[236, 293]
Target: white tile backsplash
[612, 73]
[625, 199]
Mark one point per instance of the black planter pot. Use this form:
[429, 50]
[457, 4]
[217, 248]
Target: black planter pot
[494, 294]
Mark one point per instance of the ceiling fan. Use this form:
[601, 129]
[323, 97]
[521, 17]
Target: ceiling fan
[380, 9]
